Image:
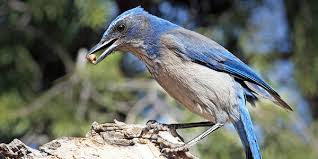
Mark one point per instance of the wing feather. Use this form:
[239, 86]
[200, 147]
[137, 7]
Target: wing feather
[206, 52]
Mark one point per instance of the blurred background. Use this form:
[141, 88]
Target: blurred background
[48, 90]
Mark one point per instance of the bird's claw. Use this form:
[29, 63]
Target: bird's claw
[153, 125]
[156, 126]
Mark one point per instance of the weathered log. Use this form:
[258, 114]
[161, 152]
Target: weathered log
[104, 141]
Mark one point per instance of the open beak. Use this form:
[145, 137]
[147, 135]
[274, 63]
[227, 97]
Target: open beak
[110, 45]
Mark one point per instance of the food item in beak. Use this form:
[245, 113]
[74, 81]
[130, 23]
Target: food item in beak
[91, 58]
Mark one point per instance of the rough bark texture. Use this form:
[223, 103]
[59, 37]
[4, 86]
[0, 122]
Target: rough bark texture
[104, 141]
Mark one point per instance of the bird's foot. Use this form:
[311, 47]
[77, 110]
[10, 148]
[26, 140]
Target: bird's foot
[153, 125]
[156, 126]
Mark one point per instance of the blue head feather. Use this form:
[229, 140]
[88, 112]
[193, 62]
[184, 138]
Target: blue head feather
[149, 33]
[134, 11]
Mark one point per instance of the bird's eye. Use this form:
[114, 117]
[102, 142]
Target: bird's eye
[121, 27]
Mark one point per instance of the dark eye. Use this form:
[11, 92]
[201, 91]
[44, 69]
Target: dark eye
[121, 27]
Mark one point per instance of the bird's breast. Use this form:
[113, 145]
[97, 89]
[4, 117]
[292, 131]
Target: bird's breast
[207, 92]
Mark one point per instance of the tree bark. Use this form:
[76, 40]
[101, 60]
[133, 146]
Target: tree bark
[104, 141]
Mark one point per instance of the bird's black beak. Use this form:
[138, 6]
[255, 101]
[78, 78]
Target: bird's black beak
[109, 44]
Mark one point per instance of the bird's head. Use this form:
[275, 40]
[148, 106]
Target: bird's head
[134, 30]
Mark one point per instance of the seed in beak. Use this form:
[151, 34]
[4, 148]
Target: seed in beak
[91, 58]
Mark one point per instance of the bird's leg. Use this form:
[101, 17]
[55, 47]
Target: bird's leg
[153, 124]
[194, 141]
[156, 126]
[190, 125]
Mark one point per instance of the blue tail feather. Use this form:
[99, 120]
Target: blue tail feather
[244, 127]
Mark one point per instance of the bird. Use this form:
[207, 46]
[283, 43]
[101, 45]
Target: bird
[195, 70]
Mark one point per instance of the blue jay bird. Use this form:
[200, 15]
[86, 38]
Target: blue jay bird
[198, 72]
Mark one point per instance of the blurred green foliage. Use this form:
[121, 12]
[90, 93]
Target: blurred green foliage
[47, 90]
[22, 69]
[306, 59]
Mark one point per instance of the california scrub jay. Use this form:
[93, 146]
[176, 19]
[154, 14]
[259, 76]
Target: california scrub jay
[195, 70]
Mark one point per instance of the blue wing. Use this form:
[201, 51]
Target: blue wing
[205, 51]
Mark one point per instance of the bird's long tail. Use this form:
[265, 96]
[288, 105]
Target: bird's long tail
[244, 127]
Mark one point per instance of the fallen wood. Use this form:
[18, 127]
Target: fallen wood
[104, 141]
